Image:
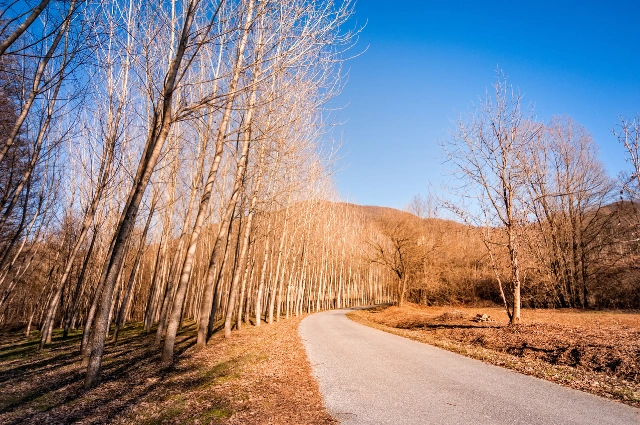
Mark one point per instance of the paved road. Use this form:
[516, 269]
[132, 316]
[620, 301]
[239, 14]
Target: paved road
[368, 376]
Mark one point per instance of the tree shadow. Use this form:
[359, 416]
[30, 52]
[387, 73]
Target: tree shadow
[564, 355]
[441, 325]
[50, 384]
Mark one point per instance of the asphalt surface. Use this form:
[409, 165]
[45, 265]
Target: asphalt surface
[367, 376]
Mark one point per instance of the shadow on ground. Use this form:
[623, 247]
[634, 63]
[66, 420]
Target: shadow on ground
[46, 386]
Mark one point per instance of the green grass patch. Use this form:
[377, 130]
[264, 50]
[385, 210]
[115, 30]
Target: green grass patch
[221, 372]
[215, 414]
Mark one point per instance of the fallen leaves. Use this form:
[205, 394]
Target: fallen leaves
[259, 376]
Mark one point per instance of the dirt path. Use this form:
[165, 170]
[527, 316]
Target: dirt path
[368, 376]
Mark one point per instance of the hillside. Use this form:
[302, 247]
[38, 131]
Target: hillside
[375, 213]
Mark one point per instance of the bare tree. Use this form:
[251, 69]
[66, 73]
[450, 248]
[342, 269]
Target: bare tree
[423, 207]
[396, 247]
[30, 15]
[568, 189]
[485, 153]
[628, 133]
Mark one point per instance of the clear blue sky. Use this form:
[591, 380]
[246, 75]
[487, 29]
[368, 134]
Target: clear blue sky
[428, 61]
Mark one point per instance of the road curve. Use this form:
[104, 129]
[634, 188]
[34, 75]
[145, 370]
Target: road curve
[368, 376]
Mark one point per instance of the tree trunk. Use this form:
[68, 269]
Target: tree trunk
[134, 271]
[157, 135]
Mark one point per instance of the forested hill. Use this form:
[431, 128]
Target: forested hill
[377, 213]
[568, 259]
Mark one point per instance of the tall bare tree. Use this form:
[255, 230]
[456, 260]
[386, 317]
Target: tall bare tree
[485, 153]
[568, 191]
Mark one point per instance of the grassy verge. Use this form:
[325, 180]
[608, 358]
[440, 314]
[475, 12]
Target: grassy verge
[259, 376]
[597, 352]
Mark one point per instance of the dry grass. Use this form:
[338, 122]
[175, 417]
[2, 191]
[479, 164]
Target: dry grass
[598, 352]
[259, 376]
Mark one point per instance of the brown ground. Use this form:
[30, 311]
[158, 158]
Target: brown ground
[598, 352]
[259, 376]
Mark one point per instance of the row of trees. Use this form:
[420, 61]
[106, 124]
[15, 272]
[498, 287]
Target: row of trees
[161, 162]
